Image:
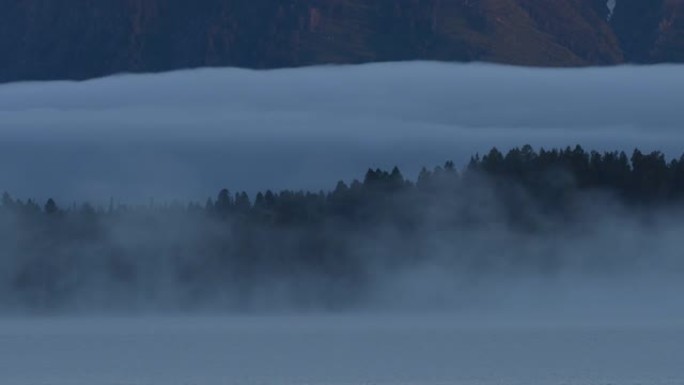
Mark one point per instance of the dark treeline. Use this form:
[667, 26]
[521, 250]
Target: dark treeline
[322, 249]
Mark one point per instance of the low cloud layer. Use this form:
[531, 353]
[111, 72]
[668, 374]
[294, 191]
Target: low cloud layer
[184, 135]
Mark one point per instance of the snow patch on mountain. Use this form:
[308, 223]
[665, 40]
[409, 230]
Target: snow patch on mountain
[611, 7]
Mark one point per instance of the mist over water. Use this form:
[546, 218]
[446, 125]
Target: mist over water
[595, 302]
[184, 135]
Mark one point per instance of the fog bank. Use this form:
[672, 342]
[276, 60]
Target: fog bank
[184, 135]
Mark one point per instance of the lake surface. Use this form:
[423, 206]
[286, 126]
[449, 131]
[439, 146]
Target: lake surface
[334, 350]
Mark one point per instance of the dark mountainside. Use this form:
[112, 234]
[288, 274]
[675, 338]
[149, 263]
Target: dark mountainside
[52, 39]
[530, 213]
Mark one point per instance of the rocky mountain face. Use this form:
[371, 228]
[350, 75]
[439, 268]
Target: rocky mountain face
[78, 39]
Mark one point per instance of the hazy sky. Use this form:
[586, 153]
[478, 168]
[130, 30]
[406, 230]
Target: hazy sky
[187, 134]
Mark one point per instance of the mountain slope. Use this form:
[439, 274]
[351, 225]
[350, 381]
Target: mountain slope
[58, 39]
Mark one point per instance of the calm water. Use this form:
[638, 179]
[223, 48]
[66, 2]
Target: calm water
[334, 350]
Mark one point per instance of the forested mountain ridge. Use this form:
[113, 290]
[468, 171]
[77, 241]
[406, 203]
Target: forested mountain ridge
[48, 39]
